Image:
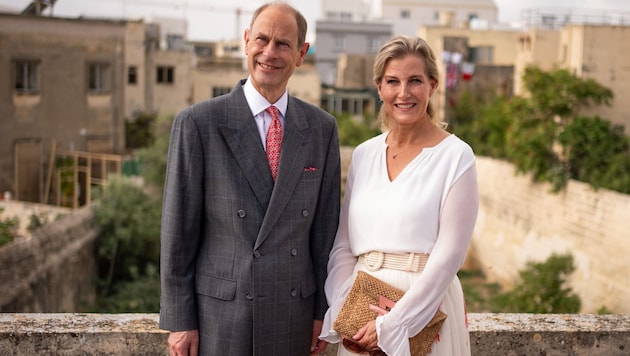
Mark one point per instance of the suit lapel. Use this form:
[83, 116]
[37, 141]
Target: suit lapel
[292, 162]
[242, 137]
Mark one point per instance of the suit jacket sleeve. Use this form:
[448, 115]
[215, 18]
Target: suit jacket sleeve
[327, 216]
[180, 229]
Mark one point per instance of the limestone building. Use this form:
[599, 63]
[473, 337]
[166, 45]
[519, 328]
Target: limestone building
[66, 84]
[596, 51]
[73, 84]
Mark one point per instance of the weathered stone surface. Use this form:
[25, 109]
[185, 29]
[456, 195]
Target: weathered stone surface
[549, 334]
[81, 334]
[51, 270]
[138, 334]
[520, 221]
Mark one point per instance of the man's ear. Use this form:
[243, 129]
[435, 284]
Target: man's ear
[303, 52]
[245, 39]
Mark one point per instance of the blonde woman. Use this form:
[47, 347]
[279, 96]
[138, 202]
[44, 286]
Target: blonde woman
[408, 213]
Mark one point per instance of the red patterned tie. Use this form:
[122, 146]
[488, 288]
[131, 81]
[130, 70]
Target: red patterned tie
[274, 141]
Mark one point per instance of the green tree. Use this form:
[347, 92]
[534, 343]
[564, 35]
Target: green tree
[140, 295]
[153, 157]
[482, 124]
[597, 152]
[139, 131]
[128, 244]
[544, 134]
[530, 144]
[561, 93]
[542, 289]
[352, 131]
[555, 98]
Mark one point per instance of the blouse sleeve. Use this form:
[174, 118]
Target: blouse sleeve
[416, 308]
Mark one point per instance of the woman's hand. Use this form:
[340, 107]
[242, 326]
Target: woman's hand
[366, 336]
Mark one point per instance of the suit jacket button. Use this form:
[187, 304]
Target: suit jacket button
[294, 292]
[241, 213]
[249, 296]
[293, 252]
[257, 254]
[304, 213]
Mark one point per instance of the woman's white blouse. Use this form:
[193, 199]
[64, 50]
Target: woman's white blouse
[430, 207]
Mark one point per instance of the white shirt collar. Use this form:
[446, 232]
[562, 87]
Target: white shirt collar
[257, 103]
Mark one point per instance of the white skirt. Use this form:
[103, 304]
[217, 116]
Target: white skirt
[453, 339]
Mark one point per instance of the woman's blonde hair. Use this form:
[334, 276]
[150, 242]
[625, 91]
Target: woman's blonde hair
[399, 47]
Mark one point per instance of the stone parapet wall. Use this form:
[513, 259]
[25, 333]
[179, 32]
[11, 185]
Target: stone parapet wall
[51, 270]
[138, 334]
[521, 221]
[23, 211]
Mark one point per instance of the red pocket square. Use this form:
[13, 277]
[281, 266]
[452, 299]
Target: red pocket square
[311, 169]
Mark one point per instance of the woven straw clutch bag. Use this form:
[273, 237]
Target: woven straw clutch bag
[355, 312]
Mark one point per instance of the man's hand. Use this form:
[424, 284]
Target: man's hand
[317, 346]
[183, 343]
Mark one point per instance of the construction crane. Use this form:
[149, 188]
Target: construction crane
[36, 7]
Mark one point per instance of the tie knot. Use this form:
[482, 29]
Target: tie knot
[273, 111]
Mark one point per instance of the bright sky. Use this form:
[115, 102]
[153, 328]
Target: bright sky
[211, 20]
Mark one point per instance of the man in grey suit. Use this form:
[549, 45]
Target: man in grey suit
[244, 255]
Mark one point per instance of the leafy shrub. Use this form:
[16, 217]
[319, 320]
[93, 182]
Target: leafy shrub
[141, 295]
[597, 152]
[477, 291]
[352, 131]
[128, 247]
[483, 125]
[7, 229]
[542, 289]
[153, 157]
[128, 244]
[36, 221]
[139, 130]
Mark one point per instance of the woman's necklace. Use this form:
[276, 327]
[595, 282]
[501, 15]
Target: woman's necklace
[404, 150]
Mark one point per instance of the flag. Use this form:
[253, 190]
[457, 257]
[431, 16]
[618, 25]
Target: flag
[468, 69]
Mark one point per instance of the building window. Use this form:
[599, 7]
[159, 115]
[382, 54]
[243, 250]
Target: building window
[481, 55]
[339, 43]
[132, 75]
[98, 77]
[176, 42]
[26, 76]
[346, 16]
[165, 74]
[405, 14]
[339, 16]
[218, 91]
[373, 45]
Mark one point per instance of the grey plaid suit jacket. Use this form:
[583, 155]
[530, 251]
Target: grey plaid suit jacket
[241, 260]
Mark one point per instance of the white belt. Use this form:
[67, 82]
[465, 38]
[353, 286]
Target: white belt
[410, 262]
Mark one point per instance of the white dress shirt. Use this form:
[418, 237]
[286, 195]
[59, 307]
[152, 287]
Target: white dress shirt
[258, 104]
